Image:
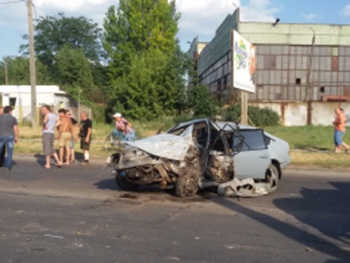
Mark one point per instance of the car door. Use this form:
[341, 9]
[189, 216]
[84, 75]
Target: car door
[254, 158]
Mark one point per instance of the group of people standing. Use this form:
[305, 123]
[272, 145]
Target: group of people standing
[67, 135]
[66, 128]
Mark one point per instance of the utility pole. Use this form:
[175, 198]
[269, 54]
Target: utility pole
[32, 62]
[308, 92]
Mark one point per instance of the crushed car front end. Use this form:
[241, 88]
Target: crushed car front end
[181, 159]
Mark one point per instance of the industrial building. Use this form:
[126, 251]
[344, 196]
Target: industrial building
[295, 63]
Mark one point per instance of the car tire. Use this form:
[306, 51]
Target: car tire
[125, 184]
[276, 169]
[272, 177]
[186, 186]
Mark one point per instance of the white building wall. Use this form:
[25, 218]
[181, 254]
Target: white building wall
[295, 114]
[45, 95]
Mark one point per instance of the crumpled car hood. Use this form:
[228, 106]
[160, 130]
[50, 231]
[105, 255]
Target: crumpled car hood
[166, 145]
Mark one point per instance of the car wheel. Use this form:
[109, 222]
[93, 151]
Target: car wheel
[125, 184]
[272, 177]
[186, 186]
[276, 170]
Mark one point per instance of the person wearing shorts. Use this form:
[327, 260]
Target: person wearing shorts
[48, 138]
[85, 136]
[65, 135]
[339, 130]
[71, 146]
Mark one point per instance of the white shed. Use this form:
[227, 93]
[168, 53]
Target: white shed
[19, 97]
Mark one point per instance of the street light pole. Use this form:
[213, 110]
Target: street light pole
[32, 62]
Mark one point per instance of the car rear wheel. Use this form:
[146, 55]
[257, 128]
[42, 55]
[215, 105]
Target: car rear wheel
[125, 184]
[276, 169]
[272, 177]
[186, 186]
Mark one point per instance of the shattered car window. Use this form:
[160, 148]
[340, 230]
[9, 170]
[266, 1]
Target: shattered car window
[253, 140]
[178, 131]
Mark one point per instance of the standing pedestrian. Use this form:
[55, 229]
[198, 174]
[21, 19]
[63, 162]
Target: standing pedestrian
[3, 150]
[339, 130]
[71, 146]
[65, 135]
[8, 134]
[49, 136]
[347, 147]
[85, 136]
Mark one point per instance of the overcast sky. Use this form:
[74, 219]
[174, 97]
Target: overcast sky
[198, 17]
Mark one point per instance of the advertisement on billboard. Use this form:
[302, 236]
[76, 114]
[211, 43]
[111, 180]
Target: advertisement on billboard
[244, 63]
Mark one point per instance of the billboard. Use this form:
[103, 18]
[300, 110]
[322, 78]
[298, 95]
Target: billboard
[244, 63]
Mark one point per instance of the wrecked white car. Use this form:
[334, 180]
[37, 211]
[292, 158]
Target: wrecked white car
[198, 154]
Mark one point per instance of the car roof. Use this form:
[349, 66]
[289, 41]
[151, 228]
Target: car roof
[221, 124]
[186, 123]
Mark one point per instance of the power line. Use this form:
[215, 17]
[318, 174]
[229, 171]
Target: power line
[11, 2]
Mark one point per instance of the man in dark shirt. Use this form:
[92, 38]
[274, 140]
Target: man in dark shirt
[8, 134]
[85, 136]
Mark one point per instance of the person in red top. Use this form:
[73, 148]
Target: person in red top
[339, 130]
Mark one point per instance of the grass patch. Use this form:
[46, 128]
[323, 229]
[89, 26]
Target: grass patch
[326, 160]
[318, 138]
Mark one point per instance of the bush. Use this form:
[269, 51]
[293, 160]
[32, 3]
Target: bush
[201, 102]
[258, 116]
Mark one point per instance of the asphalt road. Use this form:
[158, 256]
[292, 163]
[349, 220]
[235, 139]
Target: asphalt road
[77, 214]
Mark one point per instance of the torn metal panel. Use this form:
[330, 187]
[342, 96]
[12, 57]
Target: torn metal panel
[220, 167]
[248, 187]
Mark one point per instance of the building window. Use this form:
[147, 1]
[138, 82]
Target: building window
[335, 64]
[269, 62]
[13, 102]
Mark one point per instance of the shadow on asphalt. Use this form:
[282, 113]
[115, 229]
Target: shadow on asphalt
[306, 210]
[40, 158]
[107, 184]
[320, 203]
[154, 192]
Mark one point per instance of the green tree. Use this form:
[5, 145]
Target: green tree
[201, 102]
[2, 73]
[149, 90]
[146, 65]
[52, 33]
[71, 50]
[18, 71]
[73, 72]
